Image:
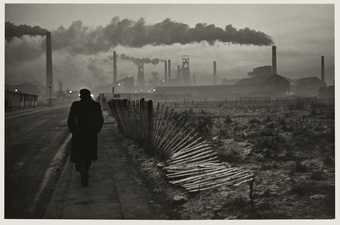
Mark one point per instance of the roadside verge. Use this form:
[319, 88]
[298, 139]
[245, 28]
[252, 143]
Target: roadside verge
[50, 180]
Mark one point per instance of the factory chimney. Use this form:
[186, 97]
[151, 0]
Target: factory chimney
[165, 71]
[185, 70]
[178, 73]
[323, 68]
[214, 72]
[140, 75]
[169, 70]
[60, 86]
[49, 71]
[114, 69]
[274, 65]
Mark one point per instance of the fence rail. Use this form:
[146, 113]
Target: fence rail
[190, 161]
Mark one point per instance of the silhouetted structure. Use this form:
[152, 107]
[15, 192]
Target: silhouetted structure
[140, 76]
[165, 72]
[265, 85]
[263, 81]
[274, 60]
[323, 68]
[214, 72]
[114, 69]
[261, 70]
[169, 70]
[308, 87]
[185, 70]
[327, 92]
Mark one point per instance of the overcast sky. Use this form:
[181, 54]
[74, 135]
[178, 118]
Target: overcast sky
[302, 33]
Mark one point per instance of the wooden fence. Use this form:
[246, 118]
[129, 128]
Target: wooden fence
[190, 161]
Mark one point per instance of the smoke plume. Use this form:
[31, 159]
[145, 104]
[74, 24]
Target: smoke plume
[80, 39]
[12, 30]
[74, 46]
[138, 61]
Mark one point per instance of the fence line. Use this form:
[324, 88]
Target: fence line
[190, 161]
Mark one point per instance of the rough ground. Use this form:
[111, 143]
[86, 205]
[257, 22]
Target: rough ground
[292, 153]
[291, 150]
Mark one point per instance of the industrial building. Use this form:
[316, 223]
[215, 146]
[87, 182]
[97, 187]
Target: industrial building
[263, 81]
[308, 87]
[327, 92]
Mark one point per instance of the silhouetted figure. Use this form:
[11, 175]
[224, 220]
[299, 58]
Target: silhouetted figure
[85, 120]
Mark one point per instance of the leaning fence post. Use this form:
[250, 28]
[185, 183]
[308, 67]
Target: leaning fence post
[251, 191]
[149, 126]
[141, 120]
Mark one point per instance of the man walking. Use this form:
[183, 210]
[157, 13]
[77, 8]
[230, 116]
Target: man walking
[85, 120]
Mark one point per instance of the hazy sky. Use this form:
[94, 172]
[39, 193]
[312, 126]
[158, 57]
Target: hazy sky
[302, 33]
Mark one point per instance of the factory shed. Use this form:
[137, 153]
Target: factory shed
[327, 92]
[265, 85]
[308, 87]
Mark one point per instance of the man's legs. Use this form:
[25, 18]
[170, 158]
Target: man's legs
[83, 167]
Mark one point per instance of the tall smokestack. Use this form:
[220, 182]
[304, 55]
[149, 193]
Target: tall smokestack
[169, 70]
[186, 70]
[49, 72]
[165, 71]
[323, 68]
[214, 72]
[178, 73]
[114, 69]
[140, 75]
[60, 86]
[274, 65]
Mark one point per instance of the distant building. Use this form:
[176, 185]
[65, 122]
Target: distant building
[25, 87]
[263, 82]
[327, 92]
[308, 87]
[264, 85]
[261, 70]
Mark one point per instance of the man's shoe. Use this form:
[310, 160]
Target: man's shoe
[84, 179]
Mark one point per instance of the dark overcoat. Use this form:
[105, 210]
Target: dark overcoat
[85, 120]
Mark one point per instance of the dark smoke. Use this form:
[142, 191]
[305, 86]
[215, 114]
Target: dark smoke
[73, 44]
[138, 61]
[12, 30]
[80, 39]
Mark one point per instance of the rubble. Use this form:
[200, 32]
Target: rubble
[313, 165]
[318, 197]
[234, 150]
